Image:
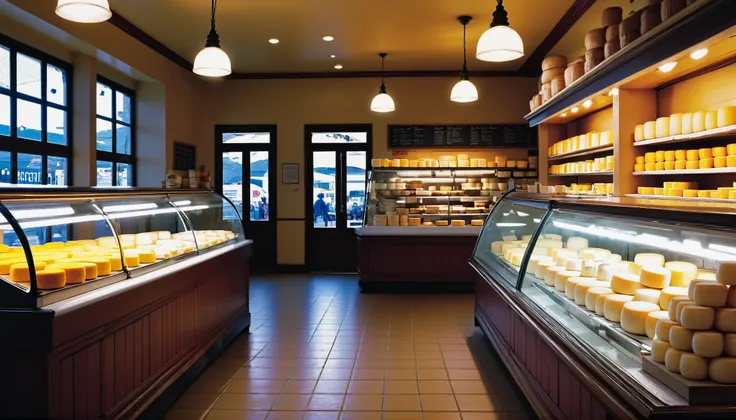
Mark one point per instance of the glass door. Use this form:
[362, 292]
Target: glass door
[244, 176]
[336, 171]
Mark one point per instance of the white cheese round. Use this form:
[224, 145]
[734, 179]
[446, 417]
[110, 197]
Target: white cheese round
[681, 338]
[693, 367]
[647, 295]
[696, 317]
[668, 293]
[634, 316]
[672, 360]
[659, 350]
[723, 370]
[708, 343]
[625, 283]
[663, 329]
[726, 273]
[725, 319]
[682, 272]
[710, 294]
[652, 320]
[592, 295]
[614, 305]
[655, 277]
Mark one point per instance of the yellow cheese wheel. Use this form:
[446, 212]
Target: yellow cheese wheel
[647, 190]
[668, 293]
[698, 121]
[648, 258]
[672, 359]
[659, 156]
[710, 293]
[614, 305]
[582, 287]
[693, 367]
[639, 132]
[681, 338]
[726, 116]
[726, 273]
[625, 283]
[592, 295]
[90, 270]
[719, 162]
[659, 166]
[641, 167]
[650, 131]
[640, 160]
[50, 279]
[711, 120]
[687, 123]
[148, 256]
[719, 151]
[570, 286]
[650, 157]
[722, 370]
[669, 155]
[647, 295]
[650, 166]
[680, 164]
[541, 268]
[550, 273]
[715, 194]
[725, 319]
[674, 192]
[652, 320]
[654, 276]
[662, 330]
[704, 193]
[729, 346]
[672, 310]
[74, 273]
[731, 149]
[690, 193]
[705, 153]
[659, 350]
[634, 316]
[692, 164]
[104, 267]
[20, 273]
[681, 272]
[6, 263]
[680, 154]
[708, 343]
[600, 304]
[698, 318]
[693, 155]
[706, 163]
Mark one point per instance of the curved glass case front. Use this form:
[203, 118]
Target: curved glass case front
[62, 243]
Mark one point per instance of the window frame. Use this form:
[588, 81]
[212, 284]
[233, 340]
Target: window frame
[17, 145]
[114, 157]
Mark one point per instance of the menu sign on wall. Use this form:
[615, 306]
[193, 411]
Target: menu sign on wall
[490, 135]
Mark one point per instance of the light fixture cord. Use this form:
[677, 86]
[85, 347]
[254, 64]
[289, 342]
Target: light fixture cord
[500, 17]
[213, 39]
[464, 75]
[383, 86]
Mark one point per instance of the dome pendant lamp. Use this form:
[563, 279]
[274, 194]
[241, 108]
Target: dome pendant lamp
[382, 102]
[212, 61]
[464, 90]
[84, 11]
[500, 43]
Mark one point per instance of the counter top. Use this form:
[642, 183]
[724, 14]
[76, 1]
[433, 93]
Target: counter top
[419, 231]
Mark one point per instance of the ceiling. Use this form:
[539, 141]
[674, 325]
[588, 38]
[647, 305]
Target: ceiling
[415, 36]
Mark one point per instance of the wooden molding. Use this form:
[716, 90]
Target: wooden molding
[533, 65]
[374, 74]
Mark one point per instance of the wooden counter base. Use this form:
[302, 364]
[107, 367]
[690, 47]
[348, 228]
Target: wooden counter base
[415, 263]
[115, 356]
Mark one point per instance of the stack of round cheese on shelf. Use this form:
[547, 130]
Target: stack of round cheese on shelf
[461, 160]
[688, 123]
[573, 189]
[689, 190]
[698, 338]
[670, 160]
[581, 143]
[601, 164]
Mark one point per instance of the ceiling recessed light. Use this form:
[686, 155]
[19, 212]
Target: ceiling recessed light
[273, 41]
[338, 66]
[328, 38]
[698, 54]
[613, 92]
[667, 67]
[574, 110]
[588, 103]
[332, 55]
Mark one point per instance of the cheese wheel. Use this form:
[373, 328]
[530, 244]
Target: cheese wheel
[672, 310]
[699, 318]
[675, 124]
[541, 268]
[729, 345]
[720, 151]
[680, 307]
[581, 289]
[662, 330]
[680, 164]
[634, 316]
[646, 190]
[550, 273]
[655, 277]
[669, 155]
[722, 370]
[681, 338]
[708, 343]
[650, 130]
[705, 274]
[710, 293]
[706, 163]
[20, 273]
[590, 269]
[148, 256]
[681, 272]
[720, 162]
[90, 270]
[625, 283]
[640, 159]
[639, 132]
[672, 359]
[692, 156]
[693, 367]
[108, 241]
[574, 264]
[659, 155]
[594, 254]
[50, 279]
[6, 263]
[731, 298]
[726, 273]
[659, 166]
[572, 282]
[726, 116]
[687, 123]
[674, 192]
[104, 266]
[703, 194]
[74, 273]
[614, 305]
[680, 155]
[647, 295]
[561, 279]
[605, 271]
[645, 259]
[640, 167]
[650, 166]
[698, 121]
[592, 295]
[668, 293]
[711, 120]
[662, 128]
[614, 258]
[690, 193]
[650, 157]
[725, 319]
[652, 320]
[659, 350]
[600, 304]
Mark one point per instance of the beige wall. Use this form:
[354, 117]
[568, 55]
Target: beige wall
[290, 104]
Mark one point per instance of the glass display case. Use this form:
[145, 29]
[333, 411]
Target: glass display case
[433, 197]
[577, 263]
[61, 243]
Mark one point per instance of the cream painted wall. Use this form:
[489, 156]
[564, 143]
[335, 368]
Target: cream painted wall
[290, 104]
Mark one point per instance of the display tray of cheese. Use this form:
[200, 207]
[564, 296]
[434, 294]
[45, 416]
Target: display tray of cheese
[590, 142]
[721, 159]
[687, 191]
[461, 160]
[573, 190]
[687, 126]
[61, 264]
[600, 165]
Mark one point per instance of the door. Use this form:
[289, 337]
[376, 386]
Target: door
[336, 162]
[246, 175]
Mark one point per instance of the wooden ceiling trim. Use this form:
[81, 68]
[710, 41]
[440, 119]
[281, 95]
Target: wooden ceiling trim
[372, 74]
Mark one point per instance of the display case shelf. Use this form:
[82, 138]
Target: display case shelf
[690, 199]
[579, 153]
[716, 133]
[599, 173]
[689, 172]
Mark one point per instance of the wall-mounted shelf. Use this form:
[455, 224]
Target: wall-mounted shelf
[728, 131]
[585, 152]
[599, 173]
[690, 172]
[662, 197]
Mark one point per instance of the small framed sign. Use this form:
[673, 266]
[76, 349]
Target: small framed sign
[289, 173]
[184, 156]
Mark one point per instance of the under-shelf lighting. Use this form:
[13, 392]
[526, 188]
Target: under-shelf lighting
[613, 92]
[564, 114]
[338, 66]
[575, 109]
[667, 67]
[588, 103]
[698, 54]
[328, 38]
[273, 41]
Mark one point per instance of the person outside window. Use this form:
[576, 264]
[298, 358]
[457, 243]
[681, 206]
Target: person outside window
[320, 209]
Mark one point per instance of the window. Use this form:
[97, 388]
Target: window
[35, 135]
[115, 135]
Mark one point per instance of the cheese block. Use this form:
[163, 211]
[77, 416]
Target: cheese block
[73, 272]
[692, 155]
[672, 310]
[634, 316]
[696, 317]
[457, 223]
[726, 116]
[659, 350]
[710, 293]
[706, 163]
[108, 241]
[652, 320]
[572, 282]
[50, 279]
[662, 128]
[698, 121]
[680, 164]
[668, 293]
[659, 166]
[614, 305]
[672, 359]
[581, 289]
[654, 276]
[650, 157]
[625, 283]
[669, 156]
[705, 274]
[722, 370]
[474, 222]
[711, 120]
[687, 123]
[442, 223]
[675, 125]
[592, 295]
[639, 133]
[550, 273]
[650, 131]
[681, 338]
[693, 367]
[647, 295]
[729, 345]
[662, 330]
[689, 193]
[681, 272]
[725, 319]
[726, 273]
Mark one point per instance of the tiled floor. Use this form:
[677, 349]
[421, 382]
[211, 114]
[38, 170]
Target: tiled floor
[321, 350]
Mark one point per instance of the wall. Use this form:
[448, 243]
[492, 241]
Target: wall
[290, 104]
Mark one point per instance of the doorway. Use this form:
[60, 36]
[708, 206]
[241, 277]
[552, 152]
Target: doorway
[336, 160]
[245, 174]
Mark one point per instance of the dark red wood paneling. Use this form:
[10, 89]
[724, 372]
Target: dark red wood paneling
[156, 340]
[120, 364]
[67, 388]
[564, 398]
[585, 409]
[138, 354]
[146, 346]
[80, 384]
[92, 379]
[108, 373]
[129, 358]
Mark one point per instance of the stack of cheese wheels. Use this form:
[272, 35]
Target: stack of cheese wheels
[595, 42]
[698, 339]
[703, 158]
[612, 17]
[553, 72]
[682, 124]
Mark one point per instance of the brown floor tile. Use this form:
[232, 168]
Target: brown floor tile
[339, 363]
[365, 387]
[272, 363]
[236, 415]
[255, 386]
[264, 373]
[495, 416]
[326, 402]
[438, 403]
[457, 355]
[299, 386]
[245, 402]
[363, 402]
[400, 354]
[464, 374]
[401, 388]
[326, 386]
[306, 373]
[186, 414]
[370, 363]
[402, 415]
[461, 364]
[358, 415]
[196, 400]
[442, 416]
[428, 355]
[368, 374]
[435, 387]
[469, 387]
[321, 415]
[336, 374]
[311, 363]
[401, 403]
[475, 403]
[285, 415]
[401, 374]
[431, 374]
[214, 385]
[291, 402]
[430, 364]
[401, 364]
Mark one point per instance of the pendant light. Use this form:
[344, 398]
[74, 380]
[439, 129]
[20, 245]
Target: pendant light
[84, 11]
[500, 42]
[382, 102]
[464, 90]
[212, 61]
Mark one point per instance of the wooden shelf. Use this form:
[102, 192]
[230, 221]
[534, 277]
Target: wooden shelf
[599, 173]
[585, 152]
[729, 131]
[690, 172]
[662, 197]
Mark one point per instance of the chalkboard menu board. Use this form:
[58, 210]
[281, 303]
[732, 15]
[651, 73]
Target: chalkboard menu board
[184, 156]
[491, 135]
